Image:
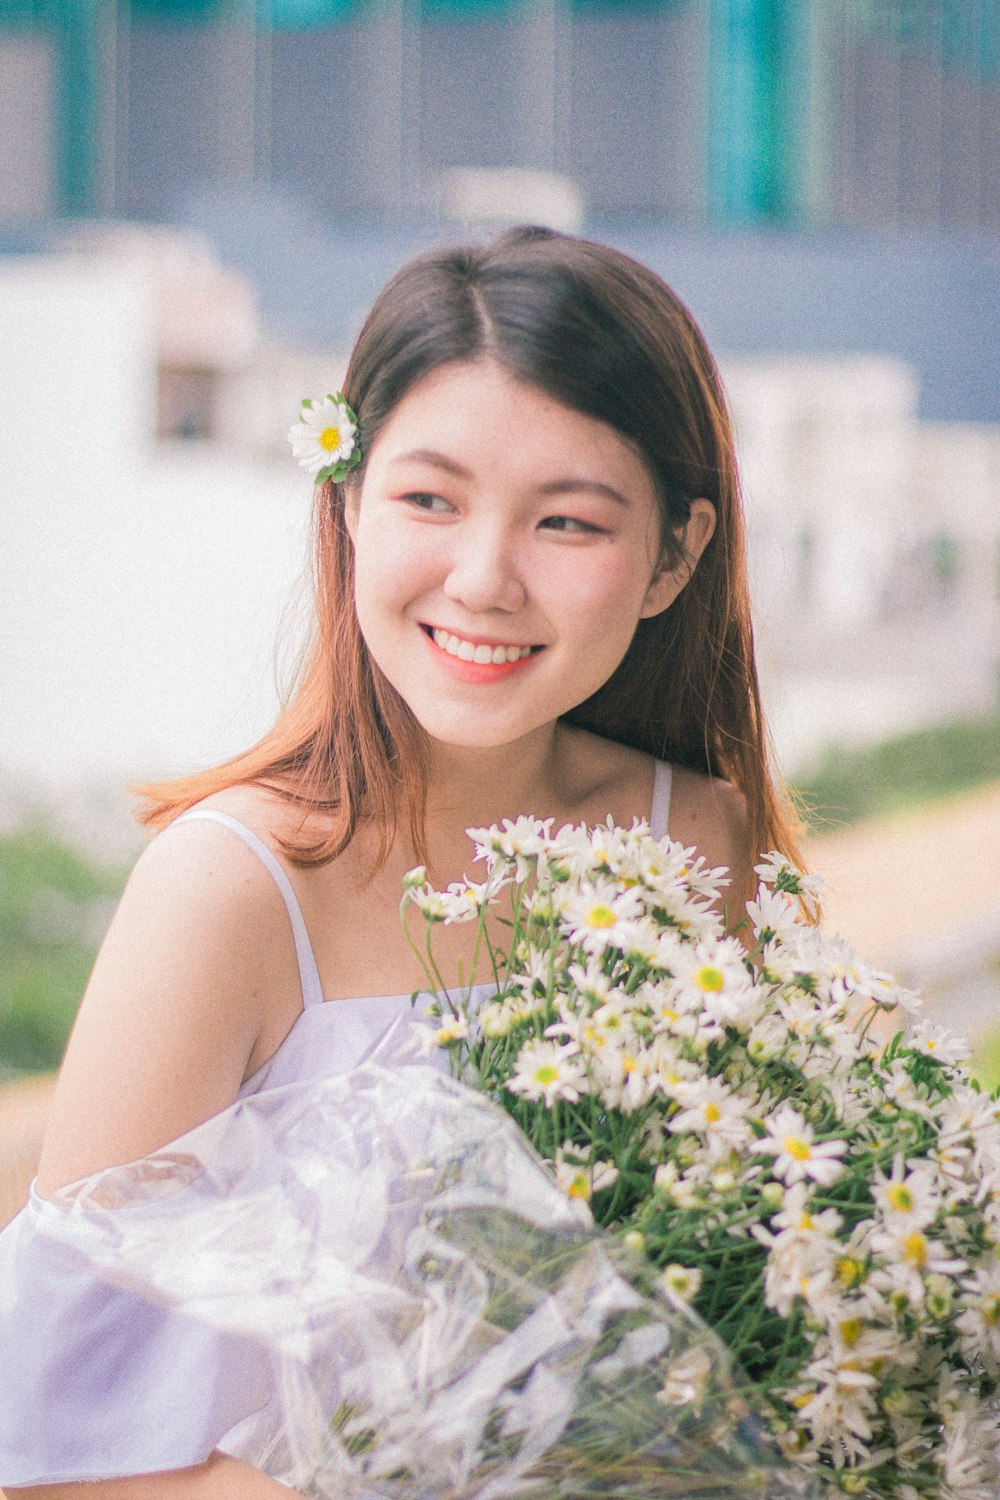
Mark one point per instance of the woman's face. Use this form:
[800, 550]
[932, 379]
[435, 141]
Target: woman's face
[505, 548]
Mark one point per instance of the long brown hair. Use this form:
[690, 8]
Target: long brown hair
[602, 334]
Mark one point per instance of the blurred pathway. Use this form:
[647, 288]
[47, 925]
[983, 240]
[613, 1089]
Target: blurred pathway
[919, 894]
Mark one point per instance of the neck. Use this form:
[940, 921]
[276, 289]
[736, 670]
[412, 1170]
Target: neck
[477, 787]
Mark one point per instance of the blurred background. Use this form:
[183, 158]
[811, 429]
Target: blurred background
[198, 201]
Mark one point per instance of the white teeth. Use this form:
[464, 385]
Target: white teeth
[466, 651]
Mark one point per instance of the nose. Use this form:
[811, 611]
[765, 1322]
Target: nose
[484, 573]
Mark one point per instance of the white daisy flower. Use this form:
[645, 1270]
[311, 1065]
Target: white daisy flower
[710, 1110]
[713, 978]
[772, 915]
[906, 1200]
[579, 1180]
[936, 1041]
[797, 1153]
[681, 1282]
[598, 915]
[979, 1321]
[625, 1076]
[969, 1461]
[521, 842]
[453, 1029]
[324, 439]
[545, 1070]
[778, 872]
[911, 1258]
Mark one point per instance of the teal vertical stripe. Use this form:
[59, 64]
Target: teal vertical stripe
[760, 111]
[76, 31]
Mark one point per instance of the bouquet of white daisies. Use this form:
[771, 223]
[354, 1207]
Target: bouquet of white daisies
[829, 1203]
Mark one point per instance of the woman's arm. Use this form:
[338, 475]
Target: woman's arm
[197, 959]
[219, 1478]
[198, 955]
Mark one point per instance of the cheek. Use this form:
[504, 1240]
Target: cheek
[387, 565]
[606, 599]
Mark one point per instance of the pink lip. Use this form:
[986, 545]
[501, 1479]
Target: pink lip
[478, 673]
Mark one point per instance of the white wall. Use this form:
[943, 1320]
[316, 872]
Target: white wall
[140, 587]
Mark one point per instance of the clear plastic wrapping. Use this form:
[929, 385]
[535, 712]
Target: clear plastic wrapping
[439, 1318]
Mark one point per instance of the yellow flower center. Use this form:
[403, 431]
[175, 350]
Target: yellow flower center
[795, 1146]
[850, 1331]
[600, 916]
[713, 1114]
[915, 1249]
[579, 1186]
[849, 1271]
[329, 439]
[900, 1197]
[629, 1064]
[546, 1073]
[710, 980]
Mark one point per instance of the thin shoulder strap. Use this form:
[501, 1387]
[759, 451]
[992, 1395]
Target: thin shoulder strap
[312, 990]
[659, 812]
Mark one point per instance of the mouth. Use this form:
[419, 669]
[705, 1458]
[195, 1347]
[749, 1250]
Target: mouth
[481, 653]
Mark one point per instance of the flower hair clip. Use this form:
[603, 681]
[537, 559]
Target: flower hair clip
[325, 438]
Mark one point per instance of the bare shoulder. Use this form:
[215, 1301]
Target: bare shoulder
[184, 987]
[711, 814]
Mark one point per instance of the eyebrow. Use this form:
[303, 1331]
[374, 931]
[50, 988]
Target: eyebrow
[572, 484]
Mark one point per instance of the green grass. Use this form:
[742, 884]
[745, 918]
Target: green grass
[927, 765]
[54, 904]
[985, 1062]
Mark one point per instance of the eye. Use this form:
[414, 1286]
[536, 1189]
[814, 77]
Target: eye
[572, 525]
[426, 501]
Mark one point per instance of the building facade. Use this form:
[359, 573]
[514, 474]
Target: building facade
[704, 112]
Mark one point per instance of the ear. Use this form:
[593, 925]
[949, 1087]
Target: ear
[668, 582]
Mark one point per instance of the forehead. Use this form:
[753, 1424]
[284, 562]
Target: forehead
[479, 413]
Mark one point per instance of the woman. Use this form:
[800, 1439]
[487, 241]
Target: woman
[530, 597]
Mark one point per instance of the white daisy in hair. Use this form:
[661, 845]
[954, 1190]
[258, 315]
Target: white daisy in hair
[325, 438]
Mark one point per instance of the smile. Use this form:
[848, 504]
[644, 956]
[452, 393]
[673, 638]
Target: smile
[483, 655]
